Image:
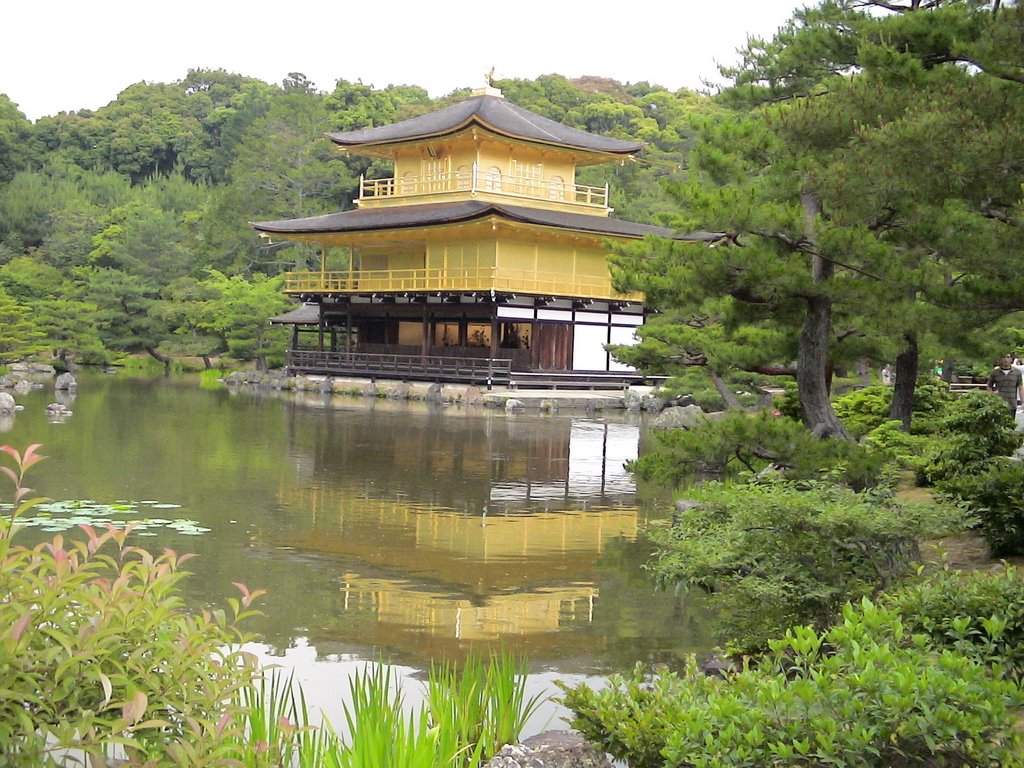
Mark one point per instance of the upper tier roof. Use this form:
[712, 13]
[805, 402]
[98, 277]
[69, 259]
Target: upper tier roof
[435, 214]
[494, 114]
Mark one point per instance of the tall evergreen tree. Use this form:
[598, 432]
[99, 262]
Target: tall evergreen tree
[868, 186]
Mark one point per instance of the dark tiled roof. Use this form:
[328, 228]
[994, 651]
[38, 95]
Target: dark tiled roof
[491, 112]
[434, 214]
[304, 314]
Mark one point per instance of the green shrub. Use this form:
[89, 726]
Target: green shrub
[789, 404]
[98, 653]
[864, 693]
[889, 437]
[864, 409]
[995, 496]
[777, 554]
[932, 400]
[742, 442]
[977, 427]
[978, 613]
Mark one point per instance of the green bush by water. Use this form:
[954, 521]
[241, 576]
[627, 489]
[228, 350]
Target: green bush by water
[743, 442]
[777, 553]
[864, 693]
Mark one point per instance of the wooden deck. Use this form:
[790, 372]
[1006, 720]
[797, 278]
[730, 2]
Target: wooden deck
[468, 370]
[487, 371]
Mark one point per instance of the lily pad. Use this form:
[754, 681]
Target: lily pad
[63, 515]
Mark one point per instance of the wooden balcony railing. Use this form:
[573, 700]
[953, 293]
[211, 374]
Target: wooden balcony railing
[475, 180]
[428, 367]
[476, 279]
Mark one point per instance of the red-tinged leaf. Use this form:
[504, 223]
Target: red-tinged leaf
[30, 456]
[19, 627]
[222, 723]
[186, 557]
[135, 708]
[10, 473]
[10, 451]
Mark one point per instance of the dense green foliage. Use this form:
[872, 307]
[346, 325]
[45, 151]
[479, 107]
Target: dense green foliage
[974, 430]
[995, 495]
[777, 553]
[865, 409]
[482, 706]
[865, 693]
[977, 613]
[469, 713]
[742, 442]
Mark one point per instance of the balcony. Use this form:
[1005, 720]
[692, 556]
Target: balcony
[475, 181]
[453, 280]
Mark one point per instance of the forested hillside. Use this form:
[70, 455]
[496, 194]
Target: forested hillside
[125, 229]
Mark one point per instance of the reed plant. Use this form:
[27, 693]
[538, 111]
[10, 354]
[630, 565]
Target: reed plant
[277, 729]
[469, 714]
[382, 734]
[484, 705]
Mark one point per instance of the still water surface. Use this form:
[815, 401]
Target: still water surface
[380, 528]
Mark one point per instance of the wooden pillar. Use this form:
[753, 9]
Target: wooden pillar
[348, 330]
[494, 331]
[426, 331]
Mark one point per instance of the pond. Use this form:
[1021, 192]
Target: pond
[378, 528]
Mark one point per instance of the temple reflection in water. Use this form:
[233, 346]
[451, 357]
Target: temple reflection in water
[436, 531]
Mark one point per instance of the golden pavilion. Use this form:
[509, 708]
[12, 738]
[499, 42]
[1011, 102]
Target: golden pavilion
[481, 260]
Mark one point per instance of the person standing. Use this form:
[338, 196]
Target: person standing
[1007, 382]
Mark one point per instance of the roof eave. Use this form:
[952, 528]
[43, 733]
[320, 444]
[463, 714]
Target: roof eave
[475, 119]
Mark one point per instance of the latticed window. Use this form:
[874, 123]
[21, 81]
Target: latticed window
[527, 177]
[556, 188]
[492, 179]
[433, 173]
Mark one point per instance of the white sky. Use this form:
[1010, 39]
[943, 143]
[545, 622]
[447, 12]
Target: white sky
[63, 55]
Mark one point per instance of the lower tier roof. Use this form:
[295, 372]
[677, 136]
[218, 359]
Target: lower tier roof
[435, 214]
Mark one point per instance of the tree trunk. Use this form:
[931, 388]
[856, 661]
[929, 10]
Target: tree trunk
[812, 359]
[906, 378]
[160, 359]
[206, 362]
[261, 363]
[731, 403]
